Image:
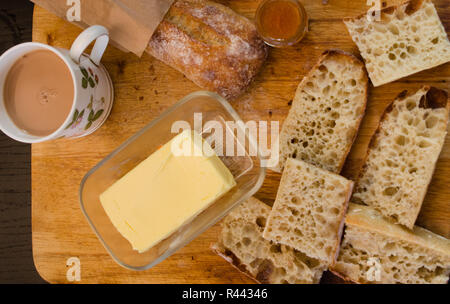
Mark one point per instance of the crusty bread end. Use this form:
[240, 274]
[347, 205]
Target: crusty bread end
[376, 250]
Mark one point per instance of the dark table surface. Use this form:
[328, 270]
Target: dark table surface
[16, 257]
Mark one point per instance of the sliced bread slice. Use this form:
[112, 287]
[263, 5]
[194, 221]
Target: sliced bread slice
[308, 213]
[375, 250]
[403, 153]
[241, 243]
[326, 113]
[405, 39]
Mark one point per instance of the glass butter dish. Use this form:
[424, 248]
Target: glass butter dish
[207, 113]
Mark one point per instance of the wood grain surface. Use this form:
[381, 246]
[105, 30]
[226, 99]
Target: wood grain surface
[144, 88]
[16, 260]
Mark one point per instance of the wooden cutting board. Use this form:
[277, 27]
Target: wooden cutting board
[144, 88]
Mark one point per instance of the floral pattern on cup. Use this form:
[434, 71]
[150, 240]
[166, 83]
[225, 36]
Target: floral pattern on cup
[92, 79]
[76, 119]
[94, 114]
[89, 78]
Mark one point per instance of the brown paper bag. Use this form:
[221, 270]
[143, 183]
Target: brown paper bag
[131, 23]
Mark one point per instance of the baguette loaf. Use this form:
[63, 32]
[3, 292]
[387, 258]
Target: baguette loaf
[375, 250]
[210, 44]
[241, 243]
[326, 113]
[308, 213]
[403, 153]
[408, 38]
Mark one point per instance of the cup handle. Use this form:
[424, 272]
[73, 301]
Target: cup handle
[96, 33]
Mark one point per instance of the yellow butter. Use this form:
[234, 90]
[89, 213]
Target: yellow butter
[166, 190]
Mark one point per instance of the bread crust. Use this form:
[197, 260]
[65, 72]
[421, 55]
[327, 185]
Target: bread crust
[211, 45]
[342, 276]
[368, 219]
[340, 229]
[231, 258]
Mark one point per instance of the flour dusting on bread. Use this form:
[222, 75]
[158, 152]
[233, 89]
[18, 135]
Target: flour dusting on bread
[210, 44]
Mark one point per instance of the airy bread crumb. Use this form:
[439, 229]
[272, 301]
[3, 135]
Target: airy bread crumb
[308, 213]
[407, 39]
[241, 243]
[326, 113]
[403, 153]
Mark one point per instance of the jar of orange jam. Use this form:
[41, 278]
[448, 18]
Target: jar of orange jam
[281, 23]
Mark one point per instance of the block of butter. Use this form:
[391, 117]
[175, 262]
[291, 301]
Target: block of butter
[166, 190]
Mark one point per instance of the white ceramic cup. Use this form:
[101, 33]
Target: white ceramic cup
[93, 89]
